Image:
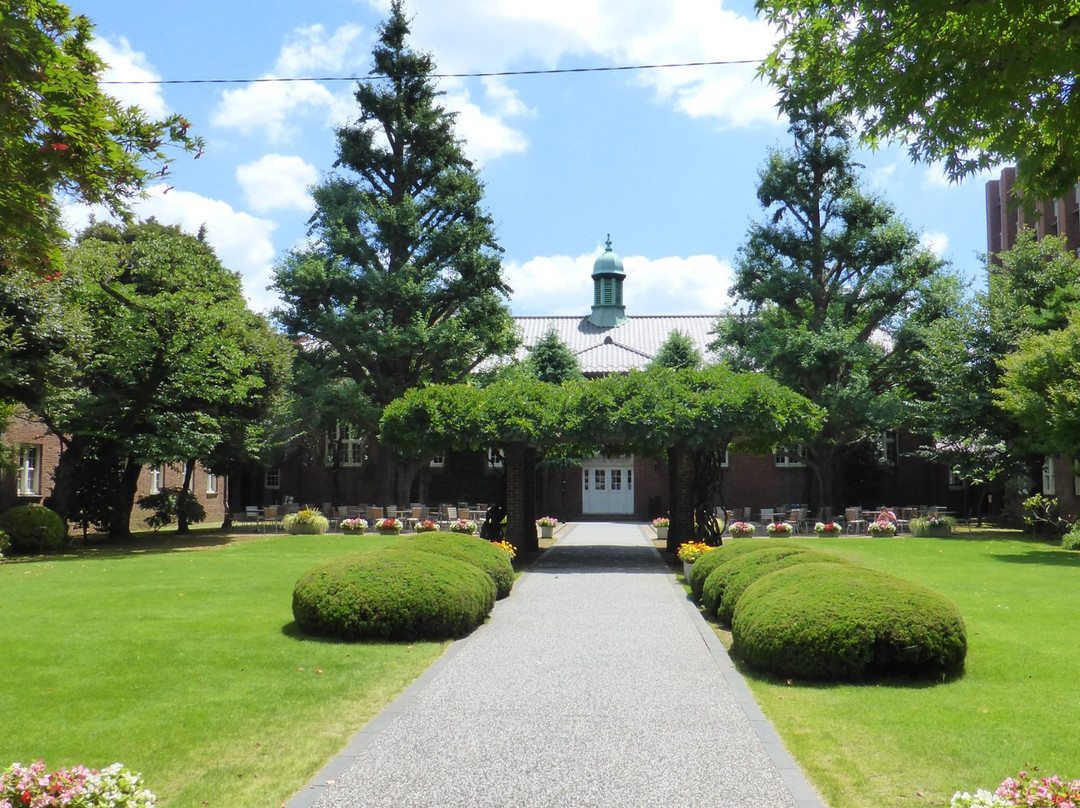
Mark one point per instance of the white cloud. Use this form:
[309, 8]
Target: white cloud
[562, 285]
[277, 181]
[125, 64]
[937, 242]
[276, 109]
[485, 136]
[241, 241]
[507, 34]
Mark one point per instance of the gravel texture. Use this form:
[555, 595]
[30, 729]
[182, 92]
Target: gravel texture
[596, 683]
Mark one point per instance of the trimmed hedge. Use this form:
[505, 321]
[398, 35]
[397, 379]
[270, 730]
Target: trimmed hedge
[34, 529]
[471, 549]
[727, 584]
[704, 566]
[845, 622]
[393, 594]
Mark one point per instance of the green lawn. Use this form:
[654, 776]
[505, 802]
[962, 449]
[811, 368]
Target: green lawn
[184, 666]
[1015, 706]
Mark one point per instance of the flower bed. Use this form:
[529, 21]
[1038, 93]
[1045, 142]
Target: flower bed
[78, 787]
[1023, 790]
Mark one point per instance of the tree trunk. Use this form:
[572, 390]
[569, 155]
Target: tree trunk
[124, 501]
[680, 496]
[181, 509]
[64, 478]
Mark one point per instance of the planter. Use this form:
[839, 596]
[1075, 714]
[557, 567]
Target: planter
[546, 531]
[828, 534]
[882, 534]
[385, 531]
[661, 532]
[686, 565]
[354, 531]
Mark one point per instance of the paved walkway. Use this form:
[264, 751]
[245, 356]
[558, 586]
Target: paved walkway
[595, 684]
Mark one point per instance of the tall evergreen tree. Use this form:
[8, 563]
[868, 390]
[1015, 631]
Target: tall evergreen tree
[677, 352]
[403, 285]
[837, 292]
[550, 360]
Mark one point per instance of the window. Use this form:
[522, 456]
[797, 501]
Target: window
[600, 479]
[956, 482]
[790, 456]
[211, 483]
[29, 481]
[629, 479]
[272, 477]
[616, 479]
[495, 458]
[886, 446]
[344, 442]
[1049, 484]
[727, 459]
[438, 461]
[157, 478]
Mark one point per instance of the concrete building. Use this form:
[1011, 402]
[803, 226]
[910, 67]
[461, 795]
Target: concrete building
[1005, 217]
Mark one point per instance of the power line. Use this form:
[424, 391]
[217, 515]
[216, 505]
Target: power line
[501, 73]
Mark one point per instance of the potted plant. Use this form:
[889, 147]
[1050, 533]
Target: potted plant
[306, 521]
[426, 526]
[779, 530]
[742, 530]
[660, 525]
[547, 525]
[691, 551]
[932, 525]
[827, 529]
[353, 527]
[882, 528]
[389, 527]
[463, 526]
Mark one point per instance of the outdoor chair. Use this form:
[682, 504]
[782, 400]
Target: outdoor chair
[766, 516]
[855, 522]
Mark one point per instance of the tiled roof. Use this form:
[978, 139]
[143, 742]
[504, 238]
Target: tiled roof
[616, 350]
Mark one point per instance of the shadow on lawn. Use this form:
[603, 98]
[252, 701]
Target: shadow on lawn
[142, 544]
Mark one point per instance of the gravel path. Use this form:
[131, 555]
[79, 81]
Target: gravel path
[596, 683]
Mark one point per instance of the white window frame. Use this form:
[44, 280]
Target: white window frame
[211, 483]
[726, 462]
[1049, 483]
[272, 477]
[353, 444]
[955, 483]
[887, 448]
[790, 457]
[495, 458]
[438, 461]
[28, 483]
[157, 478]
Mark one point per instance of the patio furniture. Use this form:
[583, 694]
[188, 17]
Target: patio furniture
[854, 519]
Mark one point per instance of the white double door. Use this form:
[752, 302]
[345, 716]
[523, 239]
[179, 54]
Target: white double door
[607, 485]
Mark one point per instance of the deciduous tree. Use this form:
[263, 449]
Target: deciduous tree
[970, 83]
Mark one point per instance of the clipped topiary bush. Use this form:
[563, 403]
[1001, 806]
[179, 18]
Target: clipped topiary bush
[1070, 541]
[732, 581]
[307, 521]
[476, 551]
[704, 566]
[845, 622]
[393, 594]
[34, 529]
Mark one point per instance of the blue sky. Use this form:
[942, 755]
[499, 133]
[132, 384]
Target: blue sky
[666, 161]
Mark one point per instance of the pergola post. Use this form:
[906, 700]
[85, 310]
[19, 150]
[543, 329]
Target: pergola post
[521, 497]
[680, 496]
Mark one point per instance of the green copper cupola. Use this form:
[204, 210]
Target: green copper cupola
[608, 309]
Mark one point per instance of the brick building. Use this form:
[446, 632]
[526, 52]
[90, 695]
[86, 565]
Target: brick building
[37, 453]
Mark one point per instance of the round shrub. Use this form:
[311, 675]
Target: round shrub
[33, 529]
[845, 622]
[734, 579]
[307, 521]
[1070, 541]
[704, 566]
[392, 594]
[476, 551]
